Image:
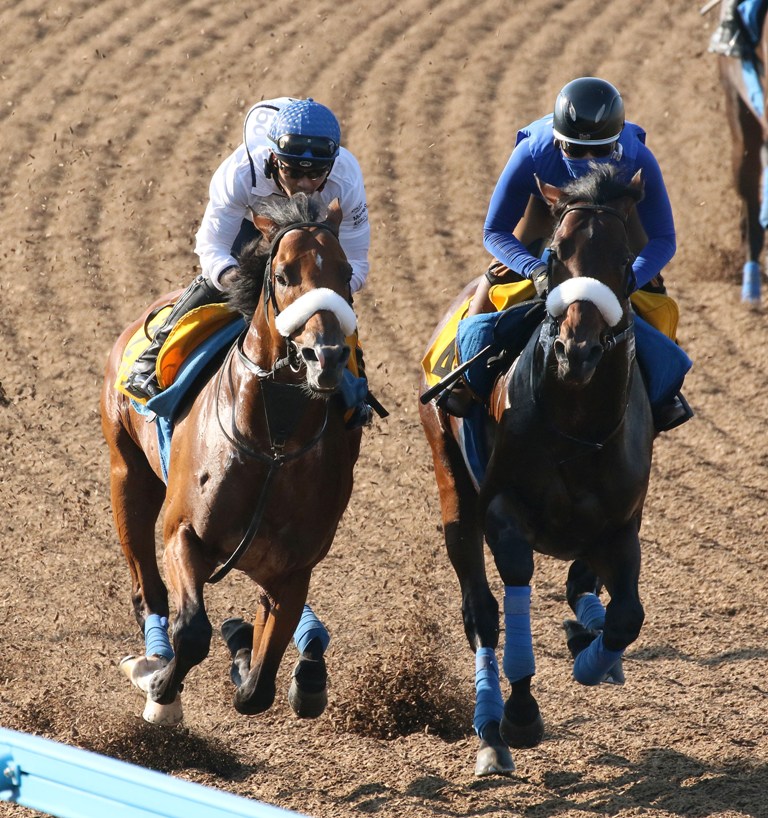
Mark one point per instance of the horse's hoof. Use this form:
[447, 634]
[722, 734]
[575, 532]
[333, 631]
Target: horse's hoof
[578, 636]
[494, 761]
[308, 694]
[493, 756]
[166, 715]
[237, 634]
[140, 669]
[521, 736]
[615, 675]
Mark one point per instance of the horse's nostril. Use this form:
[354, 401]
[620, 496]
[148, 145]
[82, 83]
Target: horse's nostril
[309, 354]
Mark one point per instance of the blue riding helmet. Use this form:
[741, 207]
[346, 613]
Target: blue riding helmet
[305, 133]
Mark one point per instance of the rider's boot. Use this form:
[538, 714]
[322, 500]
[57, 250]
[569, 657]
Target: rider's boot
[142, 380]
[672, 414]
[729, 38]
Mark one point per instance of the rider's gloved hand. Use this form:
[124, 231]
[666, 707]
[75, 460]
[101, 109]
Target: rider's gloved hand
[540, 281]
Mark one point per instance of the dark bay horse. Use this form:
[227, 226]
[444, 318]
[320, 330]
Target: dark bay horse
[570, 435]
[745, 106]
[261, 462]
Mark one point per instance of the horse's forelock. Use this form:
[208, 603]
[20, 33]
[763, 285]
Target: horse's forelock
[603, 184]
[246, 289]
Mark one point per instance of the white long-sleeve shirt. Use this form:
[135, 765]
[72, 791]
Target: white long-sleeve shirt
[238, 186]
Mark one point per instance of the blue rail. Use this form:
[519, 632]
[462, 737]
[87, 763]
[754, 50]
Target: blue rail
[69, 782]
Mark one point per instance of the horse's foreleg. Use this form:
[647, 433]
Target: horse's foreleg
[187, 571]
[619, 568]
[521, 724]
[271, 636]
[308, 694]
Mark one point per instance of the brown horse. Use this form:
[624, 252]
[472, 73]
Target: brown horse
[261, 466]
[570, 435]
[746, 112]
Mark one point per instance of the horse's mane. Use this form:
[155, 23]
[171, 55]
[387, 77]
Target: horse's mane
[245, 292]
[602, 184]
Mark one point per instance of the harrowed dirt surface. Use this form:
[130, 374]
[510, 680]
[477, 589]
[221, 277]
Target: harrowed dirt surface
[114, 116]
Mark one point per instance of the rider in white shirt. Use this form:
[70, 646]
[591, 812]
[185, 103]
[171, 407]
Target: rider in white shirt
[289, 146]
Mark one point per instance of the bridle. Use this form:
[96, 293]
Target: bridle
[287, 397]
[609, 339]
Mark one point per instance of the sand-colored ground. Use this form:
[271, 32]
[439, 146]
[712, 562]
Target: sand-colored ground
[114, 115]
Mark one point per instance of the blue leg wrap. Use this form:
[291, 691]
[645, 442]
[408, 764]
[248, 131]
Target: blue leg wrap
[590, 612]
[489, 705]
[309, 628]
[156, 636]
[518, 644]
[750, 282]
[593, 663]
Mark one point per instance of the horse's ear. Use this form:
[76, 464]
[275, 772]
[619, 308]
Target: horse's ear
[638, 183]
[550, 193]
[334, 216]
[266, 226]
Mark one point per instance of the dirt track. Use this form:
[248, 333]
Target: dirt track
[114, 116]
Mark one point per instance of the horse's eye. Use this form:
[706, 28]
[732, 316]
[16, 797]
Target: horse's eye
[281, 279]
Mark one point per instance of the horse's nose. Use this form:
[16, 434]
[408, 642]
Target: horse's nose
[328, 360]
[577, 360]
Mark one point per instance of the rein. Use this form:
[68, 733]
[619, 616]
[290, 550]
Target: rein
[285, 393]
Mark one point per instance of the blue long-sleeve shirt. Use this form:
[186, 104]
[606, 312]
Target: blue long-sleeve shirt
[535, 154]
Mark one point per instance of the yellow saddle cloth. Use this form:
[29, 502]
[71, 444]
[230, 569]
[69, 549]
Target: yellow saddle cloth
[659, 310]
[189, 332]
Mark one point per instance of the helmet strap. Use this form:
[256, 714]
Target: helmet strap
[270, 171]
[330, 168]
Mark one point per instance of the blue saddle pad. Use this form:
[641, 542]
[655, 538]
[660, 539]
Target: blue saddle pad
[164, 407]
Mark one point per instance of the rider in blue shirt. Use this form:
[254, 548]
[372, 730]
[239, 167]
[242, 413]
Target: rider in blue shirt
[586, 127]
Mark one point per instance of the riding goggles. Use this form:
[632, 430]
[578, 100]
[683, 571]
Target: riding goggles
[307, 147]
[578, 151]
[296, 172]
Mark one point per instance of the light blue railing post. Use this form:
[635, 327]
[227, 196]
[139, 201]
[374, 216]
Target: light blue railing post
[69, 782]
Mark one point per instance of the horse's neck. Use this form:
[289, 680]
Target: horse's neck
[591, 410]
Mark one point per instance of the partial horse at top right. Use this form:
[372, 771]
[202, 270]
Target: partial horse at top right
[740, 42]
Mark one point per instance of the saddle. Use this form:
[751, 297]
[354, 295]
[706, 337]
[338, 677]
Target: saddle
[191, 330]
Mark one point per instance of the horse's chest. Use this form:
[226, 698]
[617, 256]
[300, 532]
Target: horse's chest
[565, 503]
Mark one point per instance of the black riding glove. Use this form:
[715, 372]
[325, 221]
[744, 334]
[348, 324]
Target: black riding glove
[540, 281]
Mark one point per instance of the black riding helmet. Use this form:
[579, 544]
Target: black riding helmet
[588, 111]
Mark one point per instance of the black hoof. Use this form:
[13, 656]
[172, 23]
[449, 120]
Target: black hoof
[578, 636]
[238, 634]
[521, 729]
[493, 756]
[308, 695]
